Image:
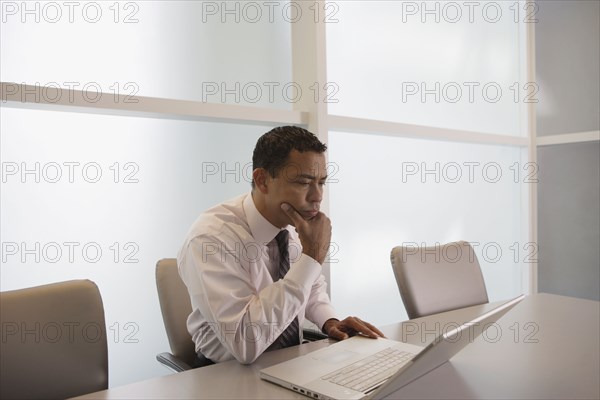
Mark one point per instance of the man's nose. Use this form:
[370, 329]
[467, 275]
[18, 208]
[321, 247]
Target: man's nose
[315, 195]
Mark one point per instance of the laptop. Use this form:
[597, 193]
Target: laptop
[360, 367]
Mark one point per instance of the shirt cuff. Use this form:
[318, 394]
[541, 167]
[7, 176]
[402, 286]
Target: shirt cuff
[304, 272]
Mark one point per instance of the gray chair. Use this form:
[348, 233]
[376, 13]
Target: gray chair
[53, 341]
[176, 307]
[438, 278]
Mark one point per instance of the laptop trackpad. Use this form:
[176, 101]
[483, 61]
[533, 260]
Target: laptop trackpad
[335, 356]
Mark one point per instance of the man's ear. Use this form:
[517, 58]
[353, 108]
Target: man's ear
[261, 180]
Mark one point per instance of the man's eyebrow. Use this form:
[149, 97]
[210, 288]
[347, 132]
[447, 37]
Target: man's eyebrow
[311, 177]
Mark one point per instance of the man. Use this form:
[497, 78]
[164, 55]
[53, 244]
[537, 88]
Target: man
[252, 278]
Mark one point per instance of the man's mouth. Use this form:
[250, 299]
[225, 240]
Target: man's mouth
[310, 214]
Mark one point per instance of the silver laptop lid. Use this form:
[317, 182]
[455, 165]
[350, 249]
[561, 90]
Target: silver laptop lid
[442, 349]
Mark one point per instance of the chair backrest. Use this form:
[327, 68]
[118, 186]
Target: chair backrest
[438, 278]
[175, 306]
[53, 341]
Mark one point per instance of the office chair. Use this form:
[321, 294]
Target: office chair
[438, 278]
[53, 341]
[176, 307]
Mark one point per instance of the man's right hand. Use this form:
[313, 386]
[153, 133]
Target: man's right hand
[314, 233]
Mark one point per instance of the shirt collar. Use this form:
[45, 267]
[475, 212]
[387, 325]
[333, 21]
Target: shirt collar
[262, 230]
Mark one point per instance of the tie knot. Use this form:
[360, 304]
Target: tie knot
[282, 238]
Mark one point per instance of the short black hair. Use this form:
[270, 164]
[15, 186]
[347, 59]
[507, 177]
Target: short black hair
[274, 147]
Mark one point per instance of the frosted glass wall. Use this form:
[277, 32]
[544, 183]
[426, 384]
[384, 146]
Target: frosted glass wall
[386, 192]
[104, 198]
[441, 64]
[218, 52]
[457, 65]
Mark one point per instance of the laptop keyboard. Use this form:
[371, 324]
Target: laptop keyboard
[371, 371]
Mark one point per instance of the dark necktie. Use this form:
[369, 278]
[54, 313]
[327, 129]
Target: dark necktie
[291, 335]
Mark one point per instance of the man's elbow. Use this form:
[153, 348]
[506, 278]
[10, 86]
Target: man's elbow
[246, 353]
[246, 358]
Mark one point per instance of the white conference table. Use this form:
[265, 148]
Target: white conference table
[545, 347]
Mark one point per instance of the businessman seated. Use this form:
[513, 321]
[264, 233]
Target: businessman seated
[253, 264]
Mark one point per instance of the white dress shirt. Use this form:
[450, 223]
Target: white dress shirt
[229, 263]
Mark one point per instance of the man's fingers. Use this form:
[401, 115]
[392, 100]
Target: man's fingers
[335, 333]
[363, 328]
[292, 213]
[365, 331]
[351, 326]
[374, 329]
